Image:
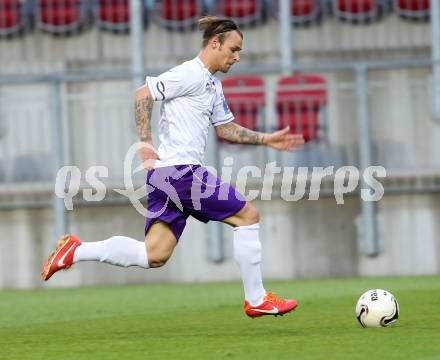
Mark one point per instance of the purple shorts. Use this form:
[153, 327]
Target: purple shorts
[176, 192]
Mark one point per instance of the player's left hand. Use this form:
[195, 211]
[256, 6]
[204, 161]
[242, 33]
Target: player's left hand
[283, 140]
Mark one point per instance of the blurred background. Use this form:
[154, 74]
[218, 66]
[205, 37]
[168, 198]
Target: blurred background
[359, 78]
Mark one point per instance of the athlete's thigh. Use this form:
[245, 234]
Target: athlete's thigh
[160, 240]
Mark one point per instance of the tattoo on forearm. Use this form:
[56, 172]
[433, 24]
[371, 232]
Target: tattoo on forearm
[143, 110]
[249, 137]
[238, 134]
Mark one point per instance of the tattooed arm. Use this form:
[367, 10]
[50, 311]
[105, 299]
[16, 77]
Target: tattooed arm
[238, 134]
[280, 140]
[143, 109]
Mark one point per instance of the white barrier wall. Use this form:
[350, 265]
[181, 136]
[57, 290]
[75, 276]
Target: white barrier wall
[300, 240]
[409, 237]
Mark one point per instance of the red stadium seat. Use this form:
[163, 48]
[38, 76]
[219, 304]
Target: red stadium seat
[178, 14]
[13, 17]
[300, 100]
[113, 15]
[357, 10]
[245, 96]
[61, 16]
[244, 12]
[412, 9]
[302, 11]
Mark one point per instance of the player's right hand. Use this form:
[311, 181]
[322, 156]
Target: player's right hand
[148, 155]
[284, 140]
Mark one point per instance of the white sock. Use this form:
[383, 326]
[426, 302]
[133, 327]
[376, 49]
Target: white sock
[247, 254]
[117, 250]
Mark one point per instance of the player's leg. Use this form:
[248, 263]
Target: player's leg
[117, 250]
[160, 243]
[248, 251]
[124, 251]
[248, 215]
[218, 200]
[247, 254]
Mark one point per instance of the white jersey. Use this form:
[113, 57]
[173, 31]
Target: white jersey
[192, 99]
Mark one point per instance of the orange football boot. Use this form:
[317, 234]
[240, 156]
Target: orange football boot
[271, 305]
[62, 257]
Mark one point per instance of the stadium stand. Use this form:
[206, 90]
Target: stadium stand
[376, 73]
[113, 15]
[300, 100]
[246, 98]
[303, 12]
[14, 17]
[71, 16]
[357, 11]
[245, 95]
[412, 9]
[250, 12]
[178, 15]
[62, 16]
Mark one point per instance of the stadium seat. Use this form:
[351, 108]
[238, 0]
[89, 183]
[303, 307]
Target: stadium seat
[14, 17]
[244, 12]
[114, 15]
[412, 9]
[245, 96]
[303, 12]
[62, 16]
[178, 14]
[357, 11]
[300, 100]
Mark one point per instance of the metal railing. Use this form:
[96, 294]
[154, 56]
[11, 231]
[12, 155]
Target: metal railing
[99, 128]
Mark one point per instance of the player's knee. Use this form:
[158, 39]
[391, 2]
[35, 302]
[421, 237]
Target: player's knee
[158, 255]
[157, 258]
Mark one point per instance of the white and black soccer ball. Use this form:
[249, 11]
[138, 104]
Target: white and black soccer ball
[377, 308]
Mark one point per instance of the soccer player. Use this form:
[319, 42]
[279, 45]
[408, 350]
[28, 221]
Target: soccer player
[192, 100]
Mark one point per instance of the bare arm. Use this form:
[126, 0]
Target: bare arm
[238, 134]
[143, 108]
[279, 140]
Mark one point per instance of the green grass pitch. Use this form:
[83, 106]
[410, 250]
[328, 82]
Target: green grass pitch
[205, 321]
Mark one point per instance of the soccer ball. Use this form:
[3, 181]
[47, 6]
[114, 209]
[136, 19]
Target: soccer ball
[377, 308]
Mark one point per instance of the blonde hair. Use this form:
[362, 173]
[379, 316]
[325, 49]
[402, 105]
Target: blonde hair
[217, 26]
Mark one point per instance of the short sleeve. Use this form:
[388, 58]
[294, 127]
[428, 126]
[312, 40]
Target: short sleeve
[221, 113]
[171, 84]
